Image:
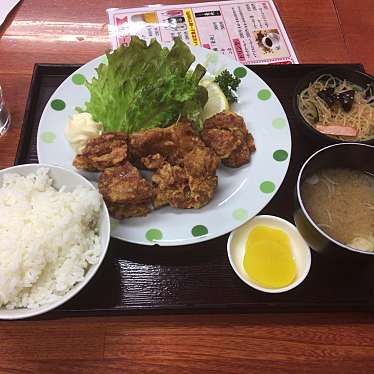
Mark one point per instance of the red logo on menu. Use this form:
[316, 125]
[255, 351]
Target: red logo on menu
[122, 37]
[238, 49]
[120, 21]
[175, 13]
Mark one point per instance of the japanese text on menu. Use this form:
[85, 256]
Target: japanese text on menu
[249, 31]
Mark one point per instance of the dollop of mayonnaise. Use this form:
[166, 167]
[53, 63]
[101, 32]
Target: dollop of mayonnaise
[81, 129]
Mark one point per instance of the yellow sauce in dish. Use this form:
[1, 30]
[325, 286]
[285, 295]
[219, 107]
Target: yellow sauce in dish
[268, 257]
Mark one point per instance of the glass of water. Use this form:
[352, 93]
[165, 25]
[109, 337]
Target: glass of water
[4, 115]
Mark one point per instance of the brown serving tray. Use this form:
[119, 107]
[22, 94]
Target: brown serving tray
[198, 278]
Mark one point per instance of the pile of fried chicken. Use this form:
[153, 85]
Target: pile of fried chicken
[183, 162]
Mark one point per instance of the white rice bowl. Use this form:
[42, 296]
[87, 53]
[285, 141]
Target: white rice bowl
[52, 239]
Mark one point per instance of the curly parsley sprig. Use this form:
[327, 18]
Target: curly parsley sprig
[229, 85]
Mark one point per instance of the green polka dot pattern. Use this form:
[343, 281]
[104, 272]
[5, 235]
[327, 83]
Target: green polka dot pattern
[280, 155]
[264, 94]
[240, 214]
[240, 72]
[48, 137]
[199, 230]
[78, 79]
[267, 187]
[58, 104]
[279, 123]
[153, 234]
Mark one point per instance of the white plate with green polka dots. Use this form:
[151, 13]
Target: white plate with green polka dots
[241, 193]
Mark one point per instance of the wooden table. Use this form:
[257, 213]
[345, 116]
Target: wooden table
[74, 31]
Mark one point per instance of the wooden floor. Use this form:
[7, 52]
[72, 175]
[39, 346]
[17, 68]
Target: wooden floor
[74, 31]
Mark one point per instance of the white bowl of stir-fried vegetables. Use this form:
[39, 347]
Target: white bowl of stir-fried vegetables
[337, 104]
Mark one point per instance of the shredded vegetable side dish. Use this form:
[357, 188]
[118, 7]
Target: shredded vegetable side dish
[338, 108]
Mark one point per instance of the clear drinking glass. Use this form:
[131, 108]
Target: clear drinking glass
[4, 115]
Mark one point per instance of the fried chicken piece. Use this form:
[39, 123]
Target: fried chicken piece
[149, 142]
[170, 143]
[107, 150]
[153, 162]
[185, 137]
[124, 185]
[122, 211]
[242, 154]
[190, 184]
[168, 181]
[227, 134]
[174, 186]
[201, 161]
[202, 190]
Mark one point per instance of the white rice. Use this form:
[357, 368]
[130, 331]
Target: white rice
[48, 239]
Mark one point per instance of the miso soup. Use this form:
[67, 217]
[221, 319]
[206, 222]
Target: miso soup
[341, 202]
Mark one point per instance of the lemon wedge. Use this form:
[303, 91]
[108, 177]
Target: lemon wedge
[217, 101]
[206, 81]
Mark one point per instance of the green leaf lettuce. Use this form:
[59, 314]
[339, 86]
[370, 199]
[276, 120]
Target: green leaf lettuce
[146, 86]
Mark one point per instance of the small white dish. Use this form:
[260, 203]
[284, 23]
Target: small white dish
[300, 250]
[70, 179]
